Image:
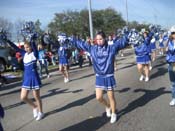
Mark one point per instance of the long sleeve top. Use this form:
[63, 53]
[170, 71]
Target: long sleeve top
[170, 57]
[144, 48]
[62, 52]
[102, 56]
[29, 59]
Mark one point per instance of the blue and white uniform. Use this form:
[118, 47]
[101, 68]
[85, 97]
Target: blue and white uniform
[143, 51]
[103, 60]
[161, 45]
[170, 58]
[153, 44]
[31, 79]
[63, 55]
[110, 42]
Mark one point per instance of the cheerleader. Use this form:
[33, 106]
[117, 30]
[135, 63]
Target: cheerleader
[31, 79]
[110, 40]
[103, 57]
[153, 48]
[142, 52]
[63, 57]
[170, 57]
[152, 52]
[161, 45]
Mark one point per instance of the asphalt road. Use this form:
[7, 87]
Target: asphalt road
[73, 107]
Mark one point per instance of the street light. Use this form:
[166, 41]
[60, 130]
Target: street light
[90, 19]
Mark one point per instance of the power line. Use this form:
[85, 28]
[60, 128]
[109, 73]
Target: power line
[141, 16]
[155, 11]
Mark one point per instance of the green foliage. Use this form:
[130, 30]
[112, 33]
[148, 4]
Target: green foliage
[138, 26]
[74, 22]
[7, 26]
[38, 30]
[108, 20]
[38, 27]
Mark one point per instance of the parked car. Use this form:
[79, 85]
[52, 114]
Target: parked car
[5, 57]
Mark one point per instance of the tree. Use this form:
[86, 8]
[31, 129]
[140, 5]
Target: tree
[138, 26]
[38, 27]
[18, 26]
[7, 26]
[73, 22]
[107, 20]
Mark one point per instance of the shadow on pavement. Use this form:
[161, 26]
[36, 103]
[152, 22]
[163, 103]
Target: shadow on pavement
[123, 90]
[11, 85]
[160, 72]
[79, 102]
[128, 66]
[51, 93]
[148, 96]
[18, 90]
[92, 124]
[11, 92]
[89, 75]
[162, 63]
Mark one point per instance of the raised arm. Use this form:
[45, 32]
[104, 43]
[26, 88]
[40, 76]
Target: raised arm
[34, 48]
[81, 44]
[148, 38]
[121, 42]
[16, 48]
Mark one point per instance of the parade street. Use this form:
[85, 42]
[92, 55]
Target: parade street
[142, 106]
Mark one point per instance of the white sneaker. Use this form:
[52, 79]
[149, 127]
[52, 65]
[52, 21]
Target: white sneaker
[40, 116]
[146, 79]
[48, 76]
[108, 112]
[150, 68]
[172, 103]
[41, 76]
[35, 112]
[113, 118]
[66, 80]
[141, 78]
[154, 59]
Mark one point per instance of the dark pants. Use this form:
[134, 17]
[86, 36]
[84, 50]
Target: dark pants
[3, 80]
[90, 62]
[1, 116]
[43, 65]
[80, 60]
[1, 128]
[171, 71]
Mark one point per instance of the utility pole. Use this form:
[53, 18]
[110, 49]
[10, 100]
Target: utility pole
[127, 23]
[90, 19]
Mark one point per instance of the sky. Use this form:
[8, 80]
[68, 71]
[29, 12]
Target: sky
[149, 11]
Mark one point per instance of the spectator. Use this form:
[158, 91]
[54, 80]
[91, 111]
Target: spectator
[42, 60]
